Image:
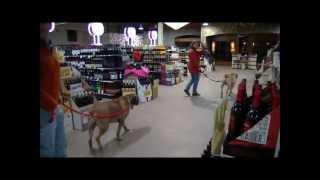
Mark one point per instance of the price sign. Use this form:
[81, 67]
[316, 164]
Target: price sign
[259, 133]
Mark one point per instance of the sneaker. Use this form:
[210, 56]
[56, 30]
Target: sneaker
[187, 92]
[195, 94]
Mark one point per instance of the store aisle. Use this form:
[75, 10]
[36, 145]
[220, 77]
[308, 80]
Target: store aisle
[172, 125]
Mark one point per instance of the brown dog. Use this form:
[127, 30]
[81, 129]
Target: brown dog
[114, 106]
[230, 81]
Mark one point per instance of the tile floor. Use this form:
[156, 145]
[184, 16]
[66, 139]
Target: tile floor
[172, 125]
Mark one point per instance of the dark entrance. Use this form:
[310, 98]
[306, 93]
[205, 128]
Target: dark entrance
[222, 51]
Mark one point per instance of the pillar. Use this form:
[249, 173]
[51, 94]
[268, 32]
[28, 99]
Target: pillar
[160, 33]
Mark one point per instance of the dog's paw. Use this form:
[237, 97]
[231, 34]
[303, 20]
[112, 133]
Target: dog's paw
[119, 139]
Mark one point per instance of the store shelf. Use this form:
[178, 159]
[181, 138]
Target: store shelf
[101, 69]
[106, 81]
[151, 62]
[107, 95]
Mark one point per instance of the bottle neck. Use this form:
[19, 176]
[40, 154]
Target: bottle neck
[256, 97]
[254, 86]
[241, 92]
[274, 96]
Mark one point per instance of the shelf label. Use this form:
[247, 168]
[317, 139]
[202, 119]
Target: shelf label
[75, 87]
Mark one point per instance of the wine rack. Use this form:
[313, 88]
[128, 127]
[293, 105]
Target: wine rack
[101, 67]
[154, 58]
[184, 58]
[170, 75]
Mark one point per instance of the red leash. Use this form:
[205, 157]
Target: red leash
[104, 115]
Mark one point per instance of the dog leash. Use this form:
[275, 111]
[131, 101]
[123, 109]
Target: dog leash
[205, 75]
[96, 116]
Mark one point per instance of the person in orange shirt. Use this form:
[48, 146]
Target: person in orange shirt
[52, 132]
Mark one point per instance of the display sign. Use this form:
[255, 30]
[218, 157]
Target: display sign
[96, 30]
[258, 133]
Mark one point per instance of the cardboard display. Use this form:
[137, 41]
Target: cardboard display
[258, 141]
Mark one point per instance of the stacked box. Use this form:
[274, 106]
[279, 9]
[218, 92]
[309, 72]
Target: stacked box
[155, 87]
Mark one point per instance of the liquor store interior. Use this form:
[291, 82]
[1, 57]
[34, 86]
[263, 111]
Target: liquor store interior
[160, 89]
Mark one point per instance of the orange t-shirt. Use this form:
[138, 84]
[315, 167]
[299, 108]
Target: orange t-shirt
[49, 80]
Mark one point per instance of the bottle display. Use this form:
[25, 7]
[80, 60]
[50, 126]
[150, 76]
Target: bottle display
[238, 112]
[254, 114]
[84, 98]
[99, 66]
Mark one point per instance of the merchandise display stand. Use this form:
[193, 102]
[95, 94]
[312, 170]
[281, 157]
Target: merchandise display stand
[154, 58]
[262, 140]
[252, 62]
[236, 61]
[69, 96]
[102, 67]
[184, 58]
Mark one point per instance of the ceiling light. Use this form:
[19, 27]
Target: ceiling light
[176, 25]
[140, 27]
[205, 24]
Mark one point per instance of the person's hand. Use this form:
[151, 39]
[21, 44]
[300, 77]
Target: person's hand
[54, 114]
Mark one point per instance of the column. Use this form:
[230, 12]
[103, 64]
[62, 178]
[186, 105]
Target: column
[160, 33]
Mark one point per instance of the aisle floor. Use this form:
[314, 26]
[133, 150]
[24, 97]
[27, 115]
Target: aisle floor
[173, 125]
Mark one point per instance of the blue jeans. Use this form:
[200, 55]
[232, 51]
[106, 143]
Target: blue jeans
[195, 81]
[52, 135]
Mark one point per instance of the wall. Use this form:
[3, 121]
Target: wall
[241, 28]
[59, 35]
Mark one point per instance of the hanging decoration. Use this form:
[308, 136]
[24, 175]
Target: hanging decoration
[52, 27]
[153, 36]
[130, 35]
[96, 30]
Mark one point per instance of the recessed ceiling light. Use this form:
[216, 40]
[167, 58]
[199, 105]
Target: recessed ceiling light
[140, 27]
[176, 25]
[205, 24]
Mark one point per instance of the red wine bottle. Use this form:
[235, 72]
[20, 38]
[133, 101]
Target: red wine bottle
[256, 82]
[237, 113]
[275, 98]
[254, 114]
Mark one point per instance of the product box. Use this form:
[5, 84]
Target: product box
[148, 92]
[154, 92]
[80, 122]
[65, 72]
[155, 87]
[155, 83]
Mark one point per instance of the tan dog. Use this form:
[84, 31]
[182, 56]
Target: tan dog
[230, 81]
[114, 106]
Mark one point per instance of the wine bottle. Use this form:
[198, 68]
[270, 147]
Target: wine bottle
[237, 113]
[275, 98]
[256, 82]
[254, 114]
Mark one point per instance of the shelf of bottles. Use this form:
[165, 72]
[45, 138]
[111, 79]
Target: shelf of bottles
[184, 58]
[102, 67]
[170, 75]
[154, 58]
[127, 52]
